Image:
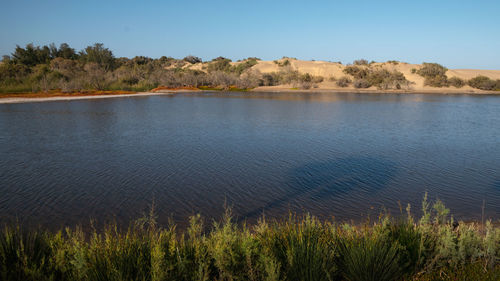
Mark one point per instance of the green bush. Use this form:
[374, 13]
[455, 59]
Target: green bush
[297, 248]
[243, 66]
[436, 81]
[219, 64]
[25, 255]
[456, 82]
[368, 258]
[358, 72]
[301, 248]
[484, 83]
[432, 70]
[434, 74]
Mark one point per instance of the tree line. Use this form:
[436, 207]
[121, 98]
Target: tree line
[43, 68]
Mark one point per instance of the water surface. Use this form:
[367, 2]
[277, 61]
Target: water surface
[344, 155]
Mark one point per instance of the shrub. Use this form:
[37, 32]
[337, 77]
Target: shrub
[368, 258]
[243, 66]
[24, 255]
[434, 74]
[484, 83]
[193, 59]
[343, 81]
[234, 251]
[297, 248]
[361, 83]
[432, 70]
[360, 62]
[358, 72]
[219, 64]
[282, 63]
[301, 249]
[100, 55]
[456, 82]
[96, 76]
[317, 79]
[415, 246]
[378, 76]
[269, 80]
[436, 81]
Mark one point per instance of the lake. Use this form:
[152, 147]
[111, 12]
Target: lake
[341, 155]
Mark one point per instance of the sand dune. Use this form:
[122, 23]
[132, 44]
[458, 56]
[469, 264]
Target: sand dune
[332, 69]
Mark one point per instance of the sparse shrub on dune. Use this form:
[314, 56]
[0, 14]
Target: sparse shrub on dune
[484, 83]
[457, 82]
[193, 59]
[243, 66]
[282, 63]
[219, 64]
[360, 62]
[365, 77]
[343, 81]
[431, 70]
[361, 83]
[358, 72]
[434, 74]
[436, 81]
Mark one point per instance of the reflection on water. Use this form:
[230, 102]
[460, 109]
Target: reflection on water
[329, 154]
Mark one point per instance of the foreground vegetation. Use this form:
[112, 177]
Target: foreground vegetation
[64, 70]
[435, 247]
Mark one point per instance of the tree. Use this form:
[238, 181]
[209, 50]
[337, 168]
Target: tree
[66, 52]
[100, 55]
[31, 55]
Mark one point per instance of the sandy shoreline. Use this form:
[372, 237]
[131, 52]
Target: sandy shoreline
[68, 98]
[375, 91]
[11, 100]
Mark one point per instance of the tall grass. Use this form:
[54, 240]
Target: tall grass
[433, 247]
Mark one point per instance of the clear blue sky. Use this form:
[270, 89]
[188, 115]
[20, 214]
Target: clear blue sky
[457, 34]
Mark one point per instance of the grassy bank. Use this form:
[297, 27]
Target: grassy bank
[433, 247]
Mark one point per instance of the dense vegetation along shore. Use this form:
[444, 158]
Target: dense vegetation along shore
[434, 247]
[48, 70]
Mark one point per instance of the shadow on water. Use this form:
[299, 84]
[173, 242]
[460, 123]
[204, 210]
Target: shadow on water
[496, 185]
[323, 181]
